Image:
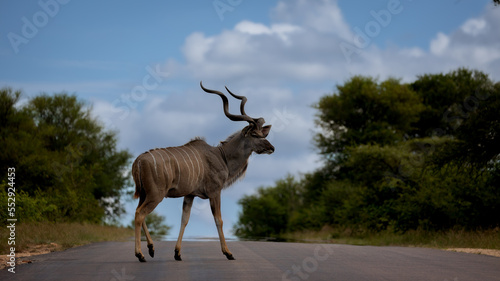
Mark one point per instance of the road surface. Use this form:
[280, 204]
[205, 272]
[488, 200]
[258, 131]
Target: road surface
[115, 261]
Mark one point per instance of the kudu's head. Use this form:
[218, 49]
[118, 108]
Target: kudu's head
[253, 137]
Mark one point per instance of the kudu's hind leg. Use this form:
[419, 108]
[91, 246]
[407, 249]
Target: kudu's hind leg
[186, 211]
[151, 248]
[141, 212]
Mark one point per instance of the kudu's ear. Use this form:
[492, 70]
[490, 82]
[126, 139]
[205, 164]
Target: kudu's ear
[247, 130]
[266, 130]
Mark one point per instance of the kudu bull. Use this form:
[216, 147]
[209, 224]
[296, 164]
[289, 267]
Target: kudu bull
[196, 169]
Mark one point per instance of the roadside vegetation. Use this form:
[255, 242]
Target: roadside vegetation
[66, 174]
[67, 166]
[453, 238]
[404, 164]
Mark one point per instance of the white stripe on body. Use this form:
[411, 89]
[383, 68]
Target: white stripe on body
[171, 175]
[164, 166]
[185, 162]
[200, 159]
[176, 161]
[192, 166]
[197, 162]
[154, 160]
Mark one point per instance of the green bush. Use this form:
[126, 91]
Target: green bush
[28, 208]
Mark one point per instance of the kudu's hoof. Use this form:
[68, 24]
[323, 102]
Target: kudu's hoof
[230, 257]
[151, 250]
[177, 256]
[140, 257]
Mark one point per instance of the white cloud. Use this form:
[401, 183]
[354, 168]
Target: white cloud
[252, 28]
[301, 44]
[322, 16]
[414, 52]
[440, 44]
[196, 47]
[474, 26]
[281, 30]
[475, 44]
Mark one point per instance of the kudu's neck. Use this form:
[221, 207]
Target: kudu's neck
[235, 156]
[223, 154]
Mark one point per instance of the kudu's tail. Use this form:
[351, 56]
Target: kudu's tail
[136, 174]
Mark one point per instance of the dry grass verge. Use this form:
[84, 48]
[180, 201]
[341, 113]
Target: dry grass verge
[488, 252]
[486, 242]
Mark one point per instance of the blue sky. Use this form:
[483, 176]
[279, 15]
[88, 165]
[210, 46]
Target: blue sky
[138, 63]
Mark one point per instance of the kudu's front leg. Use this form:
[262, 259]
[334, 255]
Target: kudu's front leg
[215, 206]
[186, 211]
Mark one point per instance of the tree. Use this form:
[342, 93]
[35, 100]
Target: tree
[478, 129]
[448, 98]
[365, 112]
[268, 213]
[423, 155]
[64, 155]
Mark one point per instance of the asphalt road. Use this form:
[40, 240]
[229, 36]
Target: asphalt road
[115, 261]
